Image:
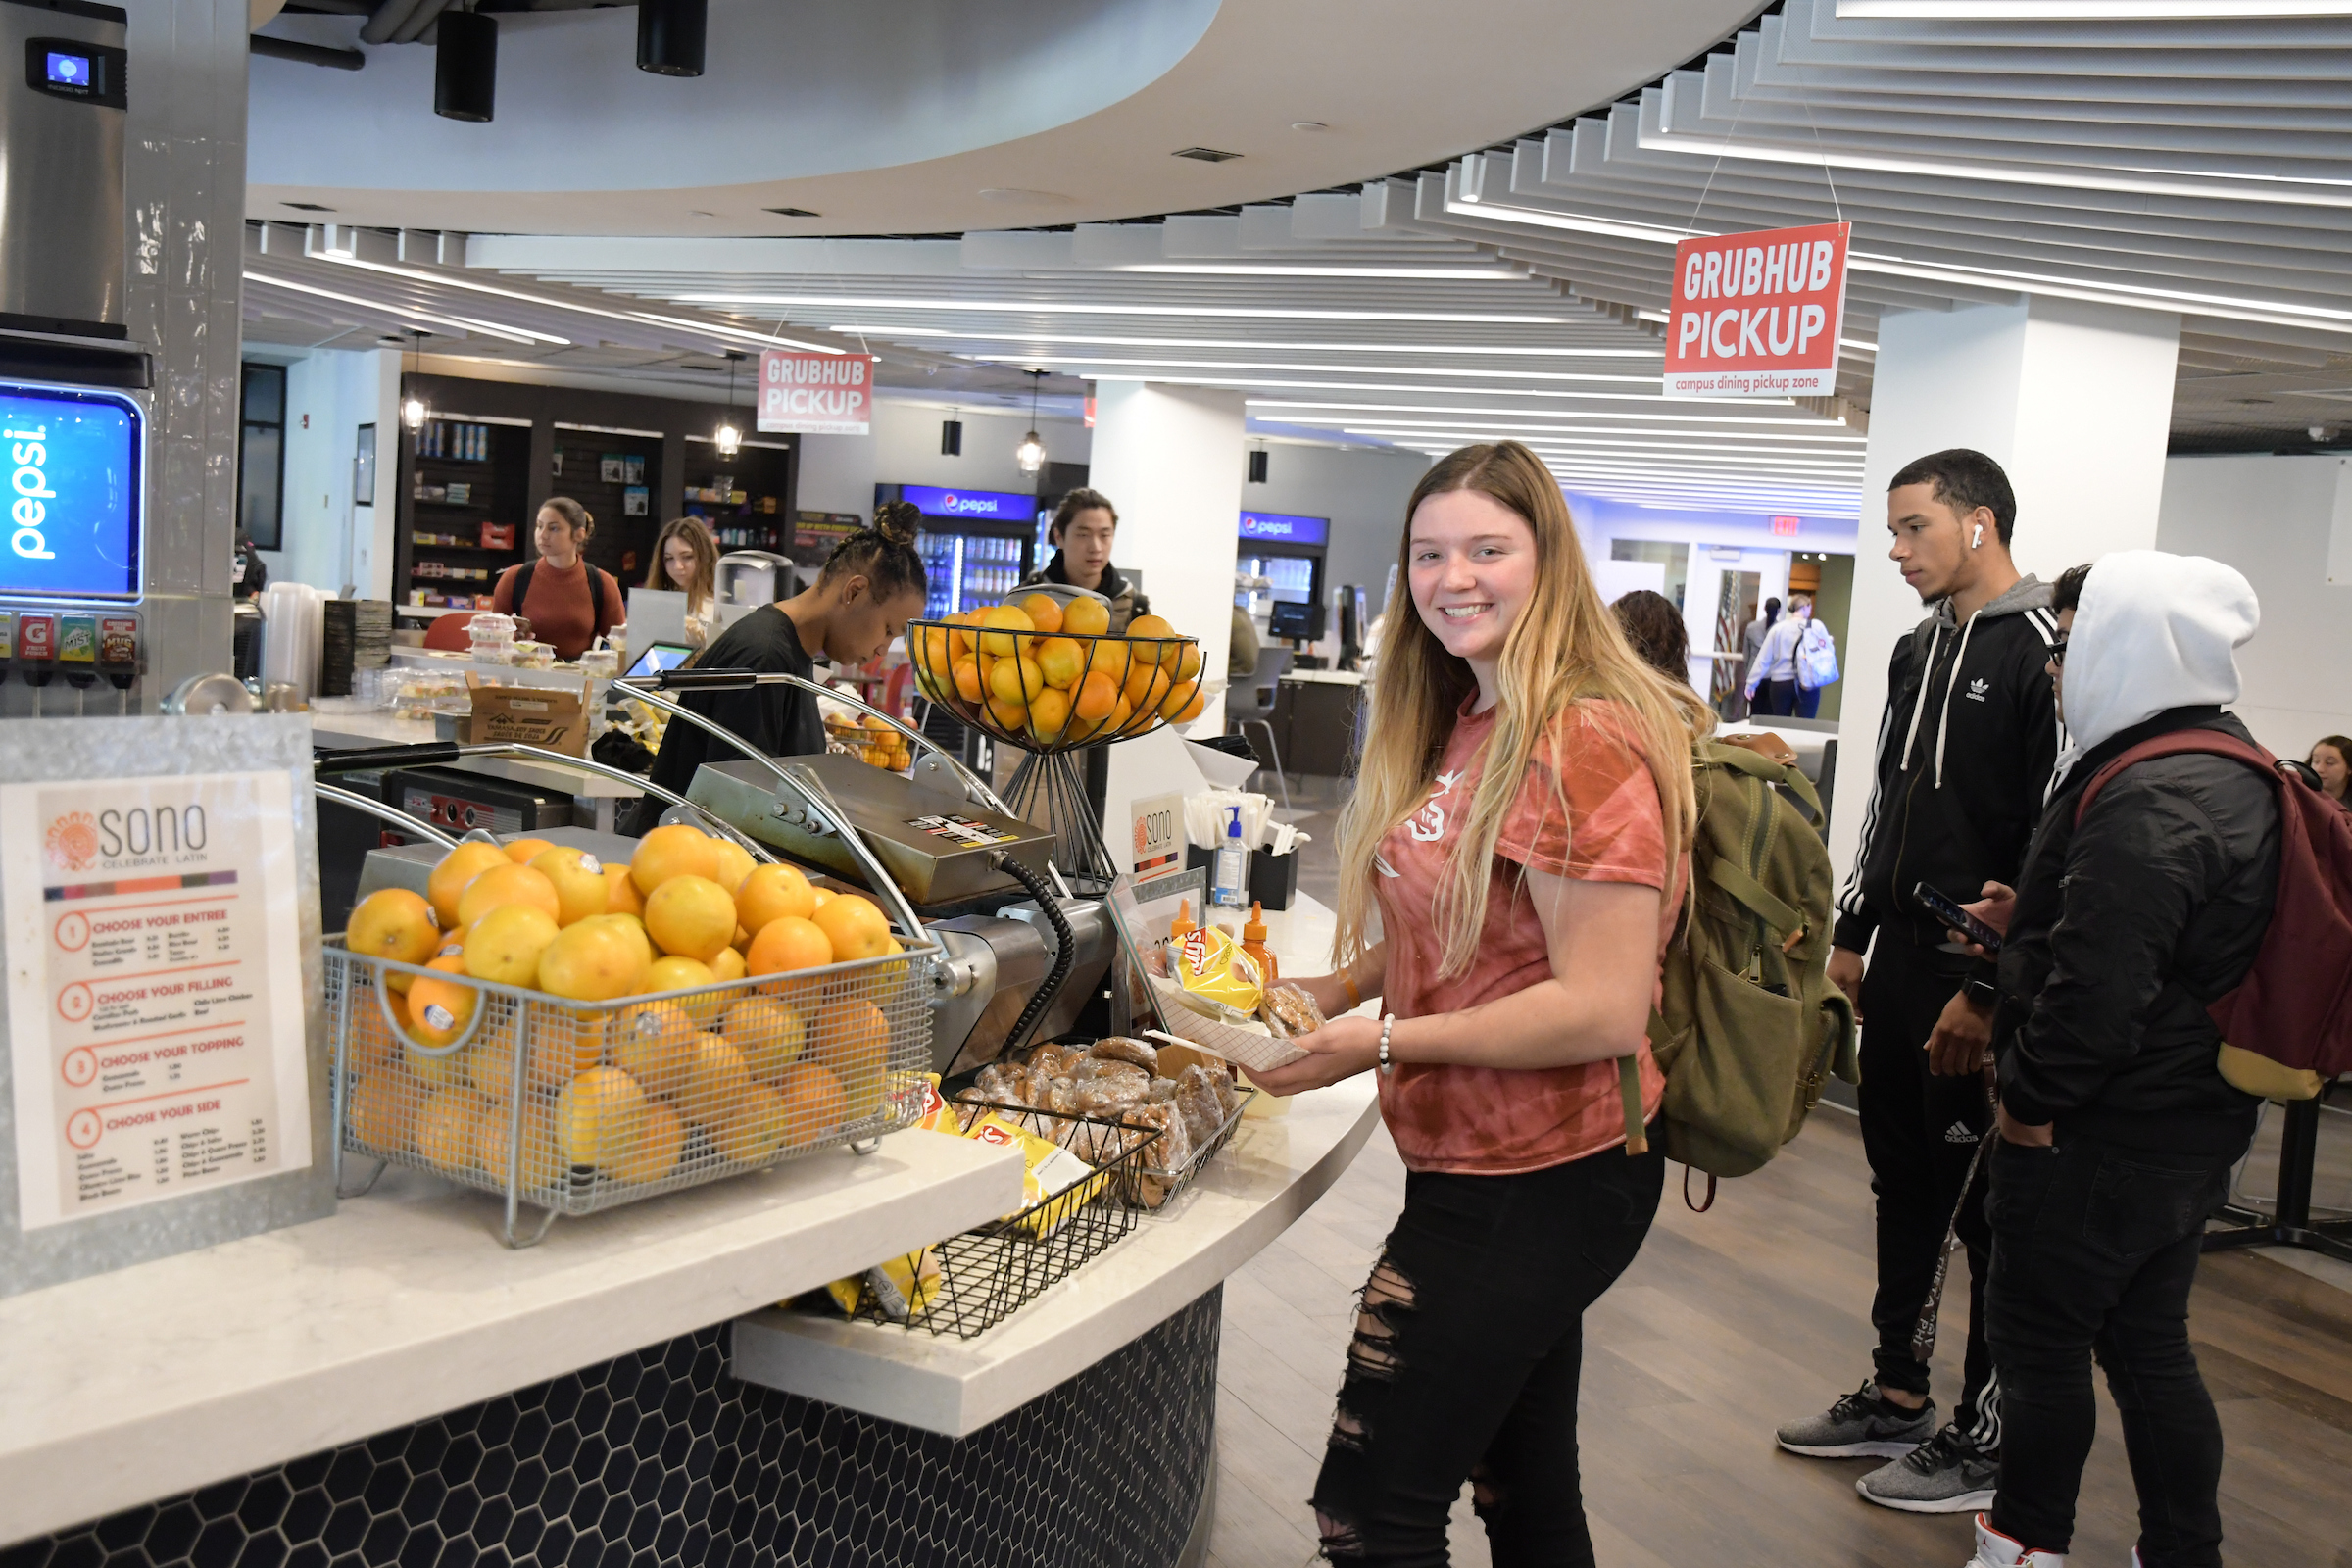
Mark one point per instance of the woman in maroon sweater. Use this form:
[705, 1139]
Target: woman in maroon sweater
[560, 593]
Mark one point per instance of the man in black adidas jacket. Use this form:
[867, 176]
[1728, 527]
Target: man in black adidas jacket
[2117, 1129]
[1966, 743]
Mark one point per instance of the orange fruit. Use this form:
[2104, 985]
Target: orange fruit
[393, 923]
[773, 891]
[371, 1043]
[493, 1134]
[563, 1044]
[689, 915]
[678, 849]
[854, 926]
[1085, 618]
[767, 1033]
[852, 1043]
[620, 892]
[1188, 661]
[445, 1129]
[959, 641]
[652, 1043]
[1147, 687]
[654, 1153]
[595, 960]
[717, 1079]
[1003, 639]
[754, 1130]
[458, 867]
[729, 964]
[1043, 611]
[1016, 680]
[735, 863]
[1062, 662]
[810, 1103]
[679, 973]
[787, 943]
[1150, 627]
[505, 945]
[382, 1109]
[522, 852]
[598, 1115]
[1108, 656]
[501, 885]
[578, 879]
[930, 650]
[631, 926]
[822, 896]
[1048, 714]
[1096, 696]
[439, 1011]
[1120, 716]
[967, 680]
[1007, 715]
[1193, 704]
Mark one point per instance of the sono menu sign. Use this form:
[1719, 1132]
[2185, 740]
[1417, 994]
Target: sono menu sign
[1757, 316]
[817, 394]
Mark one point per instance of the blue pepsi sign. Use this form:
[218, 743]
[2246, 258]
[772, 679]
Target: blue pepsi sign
[1282, 527]
[72, 461]
[991, 506]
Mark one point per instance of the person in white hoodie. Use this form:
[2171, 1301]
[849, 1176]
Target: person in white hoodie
[2116, 1131]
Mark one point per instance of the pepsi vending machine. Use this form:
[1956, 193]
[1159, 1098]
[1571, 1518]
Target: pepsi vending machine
[976, 545]
[75, 398]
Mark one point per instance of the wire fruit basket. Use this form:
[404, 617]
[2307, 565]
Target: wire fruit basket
[1051, 695]
[572, 1107]
[992, 1271]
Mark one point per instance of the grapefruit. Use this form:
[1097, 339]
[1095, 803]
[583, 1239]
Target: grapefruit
[595, 960]
[445, 1129]
[735, 863]
[1109, 658]
[458, 867]
[393, 923]
[854, 927]
[1016, 680]
[505, 945]
[654, 1153]
[773, 891]
[716, 1078]
[501, 885]
[493, 1145]
[789, 943]
[810, 1103]
[578, 879]
[652, 1043]
[678, 849]
[382, 1109]
[676, 973]
[854, 1045]
[691, 915]
[522, 852]
[620, 892]
[754, 1130]
[1009, 716]
[729, 965]
[597, 1116]
[767, 1033]
[1062, 662]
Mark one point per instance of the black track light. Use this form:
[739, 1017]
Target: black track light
[670, 36]
[1258, 467]
[950, 438]
[465, 66]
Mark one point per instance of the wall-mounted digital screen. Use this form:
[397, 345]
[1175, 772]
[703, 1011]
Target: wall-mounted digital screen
[68, 71]
[993, 505]
[1283, 527]
[72, 461]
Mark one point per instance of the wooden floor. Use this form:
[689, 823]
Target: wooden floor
[1732, 1322]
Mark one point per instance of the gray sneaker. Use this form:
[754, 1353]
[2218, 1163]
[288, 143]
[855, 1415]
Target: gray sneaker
[1946, 1474]
[1860, 1426]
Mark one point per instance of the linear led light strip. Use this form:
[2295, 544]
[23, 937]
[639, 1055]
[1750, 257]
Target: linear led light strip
[2228, 307]
[639, 318]
[1808, 430]
[513, 334]
[1339, 369]
[856, 302]
[1556, 435]
[1696, 465]
[1817, 462]
[1498, 349]
[1275, 269]
[1433, 391]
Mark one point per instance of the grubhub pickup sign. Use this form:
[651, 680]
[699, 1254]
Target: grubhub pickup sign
[1758, 315]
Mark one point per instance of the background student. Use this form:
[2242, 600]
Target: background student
[686, 562]
[1773, 671]
[568, 602]
[1965, 751]
[1085, 525]
[1521, 817]
[2330, 757]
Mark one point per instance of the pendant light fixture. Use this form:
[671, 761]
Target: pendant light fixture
[727, 437]
[670, 36]
[412, 407]
[1030, 456]
[465, 66]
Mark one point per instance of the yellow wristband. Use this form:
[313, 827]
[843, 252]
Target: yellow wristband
[1355, 998]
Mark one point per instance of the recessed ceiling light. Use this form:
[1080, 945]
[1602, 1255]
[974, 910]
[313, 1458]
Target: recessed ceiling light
[1013, 193]
[306, 206]
[792, 212]
[1205, 155]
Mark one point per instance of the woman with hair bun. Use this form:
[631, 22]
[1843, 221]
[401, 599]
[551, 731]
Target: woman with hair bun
[872, 585]
[568, 602]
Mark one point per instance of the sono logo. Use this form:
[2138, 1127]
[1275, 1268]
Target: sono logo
[30, 510]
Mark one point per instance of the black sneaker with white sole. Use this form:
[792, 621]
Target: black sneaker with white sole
[1946, 1474]
[1863, 1425]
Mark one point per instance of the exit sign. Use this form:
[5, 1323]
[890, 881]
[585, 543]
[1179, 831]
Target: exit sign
[1786, 527]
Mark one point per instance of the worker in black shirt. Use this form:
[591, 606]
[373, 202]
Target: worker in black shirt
[874, 584]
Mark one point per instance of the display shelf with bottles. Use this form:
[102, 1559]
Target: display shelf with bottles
[462, 500]
[743, 499]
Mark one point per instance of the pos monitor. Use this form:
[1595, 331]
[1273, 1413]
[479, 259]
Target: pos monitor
[1294, 622]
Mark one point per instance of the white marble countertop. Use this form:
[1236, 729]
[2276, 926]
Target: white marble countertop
[341, 731]
[1272, 1172]
[129, 1387]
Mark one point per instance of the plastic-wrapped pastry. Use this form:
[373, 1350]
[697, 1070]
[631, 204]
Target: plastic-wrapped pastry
[1198, 1101]
[996, 1083]
[1119, 1048]
[1163, 1091]
[1093, 1142]
[1094, 1070]
[1112, 1096]
[1057, 1060]
[1174, 1147]
[1290, 1011]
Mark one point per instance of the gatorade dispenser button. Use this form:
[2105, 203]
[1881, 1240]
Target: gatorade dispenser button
[77, 648]
[36, 647]
[119, 648]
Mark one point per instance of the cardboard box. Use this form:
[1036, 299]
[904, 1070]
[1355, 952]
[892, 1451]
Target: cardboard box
[555, 717]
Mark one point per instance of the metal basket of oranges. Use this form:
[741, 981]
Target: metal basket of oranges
[873, 741]
[1021, 674]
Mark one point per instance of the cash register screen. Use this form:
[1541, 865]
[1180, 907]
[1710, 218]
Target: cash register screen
[71, 523]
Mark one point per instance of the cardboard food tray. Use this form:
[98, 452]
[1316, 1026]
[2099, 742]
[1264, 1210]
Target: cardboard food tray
[1240, 1047]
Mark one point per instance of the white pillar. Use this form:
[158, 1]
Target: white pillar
[1170, 459]
[2073, 400]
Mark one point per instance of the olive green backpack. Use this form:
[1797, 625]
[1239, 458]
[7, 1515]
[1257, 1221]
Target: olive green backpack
[1750, 1027]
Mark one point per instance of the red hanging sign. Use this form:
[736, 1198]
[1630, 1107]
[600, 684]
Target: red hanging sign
[1758, 315]
[817, 394]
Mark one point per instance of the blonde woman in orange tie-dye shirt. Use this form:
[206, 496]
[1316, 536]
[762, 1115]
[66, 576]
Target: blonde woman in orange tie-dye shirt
[1521, 819]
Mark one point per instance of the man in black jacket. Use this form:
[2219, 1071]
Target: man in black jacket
[1966, 745]
[2117, 1129]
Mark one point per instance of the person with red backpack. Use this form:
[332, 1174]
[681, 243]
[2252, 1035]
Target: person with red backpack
[2146, 894]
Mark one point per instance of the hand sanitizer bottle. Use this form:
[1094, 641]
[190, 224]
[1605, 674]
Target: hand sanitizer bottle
[1229, 874]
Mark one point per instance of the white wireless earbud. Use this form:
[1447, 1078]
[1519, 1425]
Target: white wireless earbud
[1977, 538]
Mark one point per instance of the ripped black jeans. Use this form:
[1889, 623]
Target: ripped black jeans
[1465, 1361]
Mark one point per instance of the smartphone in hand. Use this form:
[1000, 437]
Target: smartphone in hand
[1948, 910]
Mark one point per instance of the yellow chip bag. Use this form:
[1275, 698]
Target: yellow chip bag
[1052, 1172]
[1212, 969]
[903, 1286]
[935, 1114]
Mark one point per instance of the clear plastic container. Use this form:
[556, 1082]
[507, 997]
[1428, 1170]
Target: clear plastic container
[492, 635]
